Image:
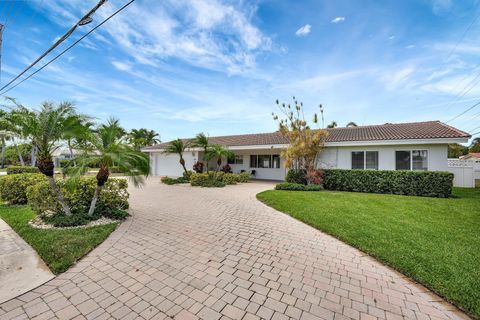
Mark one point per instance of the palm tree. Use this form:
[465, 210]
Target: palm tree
[140, 138]
[219, 152]
[332, 124]
[11, 130]
[178, 146]
[108, 148]
[46, 128]
[351, 124]
[201, 141]
[74, 139]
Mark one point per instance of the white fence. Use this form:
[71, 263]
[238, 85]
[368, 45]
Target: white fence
[465, 171]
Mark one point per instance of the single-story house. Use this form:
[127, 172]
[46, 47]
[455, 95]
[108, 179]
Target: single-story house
[400, 146]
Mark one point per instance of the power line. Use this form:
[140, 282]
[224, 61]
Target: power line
[476, 128]
[58, 42]
[69, 47]
[462, 113]
[463, 36]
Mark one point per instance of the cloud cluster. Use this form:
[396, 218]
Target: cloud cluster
[303, 31]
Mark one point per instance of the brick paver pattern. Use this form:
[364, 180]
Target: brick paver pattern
[197, 253]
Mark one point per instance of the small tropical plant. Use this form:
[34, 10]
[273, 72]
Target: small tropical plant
[219, 152]
[178, 146]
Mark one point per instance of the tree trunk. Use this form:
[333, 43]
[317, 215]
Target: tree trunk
[71, 153]
[204, 157]
[34, 156]
[19, 153]
[3, 152]
[182, 162]
[94, 200]
[59, 194]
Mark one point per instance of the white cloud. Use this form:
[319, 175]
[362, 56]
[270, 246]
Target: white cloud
[122, 66]
[410, 46]
[391, 37]
[397, 79]
[303, 31]
[338, 20]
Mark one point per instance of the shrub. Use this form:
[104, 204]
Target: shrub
[187, 174]
[62, 220]
[66, 163]
[13, 187]
[315, 176]
[114, 196]
[171, 181]
[230, 178]
[198, 167]
[298, 187]
[415, 183]
[211, 179]
[244, 177]
[226, 169]
[22, 169]
[296, 176]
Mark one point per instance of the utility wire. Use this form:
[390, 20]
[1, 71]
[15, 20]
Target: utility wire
[57, 43]
[69, 47]
[463, 36]
[465, 111]
[464, 91]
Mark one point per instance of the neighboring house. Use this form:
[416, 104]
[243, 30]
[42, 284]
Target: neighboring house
[402, 146]
[471, 156]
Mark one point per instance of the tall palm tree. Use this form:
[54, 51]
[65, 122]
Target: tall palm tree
[108, 148]
[201, 141]
[46, 128]
[219, 152]
[11, 130]
[140, 138]
[178, 146]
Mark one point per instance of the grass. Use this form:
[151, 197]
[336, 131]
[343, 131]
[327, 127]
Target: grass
[58, 248]
[434, 241]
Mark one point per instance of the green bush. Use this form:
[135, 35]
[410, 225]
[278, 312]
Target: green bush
[298, 187]
[244, 177]
[13, 187]
[230, 178]
[414, 183]
[186, 175]
[171, 181]
[62, 220]
[114, 196]
[296, 176]
[22, 169]
[209, 180]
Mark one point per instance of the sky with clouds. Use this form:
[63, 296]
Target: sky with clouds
[185, 66]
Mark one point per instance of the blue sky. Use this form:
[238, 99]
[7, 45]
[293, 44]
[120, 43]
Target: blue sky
[182, 67]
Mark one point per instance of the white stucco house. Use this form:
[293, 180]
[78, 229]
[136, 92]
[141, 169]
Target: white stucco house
[400, 146]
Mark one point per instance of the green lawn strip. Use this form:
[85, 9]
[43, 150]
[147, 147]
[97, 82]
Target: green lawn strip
[434, 241]
[58, 248]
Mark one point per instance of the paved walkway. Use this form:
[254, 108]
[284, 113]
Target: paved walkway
[191, 253]
[21, 269]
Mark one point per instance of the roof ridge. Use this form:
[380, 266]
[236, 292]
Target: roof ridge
[384, 124]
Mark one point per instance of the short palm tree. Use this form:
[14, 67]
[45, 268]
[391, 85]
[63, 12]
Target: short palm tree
[332, 124]
[106, 146]
[201, 141]
[178, 146]
[46, 128]
[219, 152]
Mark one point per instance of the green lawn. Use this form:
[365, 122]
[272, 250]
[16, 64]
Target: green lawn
[58, 248]
[434, 241]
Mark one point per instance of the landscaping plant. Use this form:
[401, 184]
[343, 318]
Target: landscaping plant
[178, 146]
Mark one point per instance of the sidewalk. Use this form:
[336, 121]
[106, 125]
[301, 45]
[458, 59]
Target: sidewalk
[21, 269]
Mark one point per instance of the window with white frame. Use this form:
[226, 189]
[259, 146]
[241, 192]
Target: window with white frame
[237, 159]
[265, 161]
[411, 160]
[365, 160]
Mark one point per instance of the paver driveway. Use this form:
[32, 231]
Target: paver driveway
[191, 253]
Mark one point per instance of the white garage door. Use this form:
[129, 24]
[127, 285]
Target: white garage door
[169, 165]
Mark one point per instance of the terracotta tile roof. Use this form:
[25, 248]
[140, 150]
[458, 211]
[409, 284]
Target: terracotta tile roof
[388, 131]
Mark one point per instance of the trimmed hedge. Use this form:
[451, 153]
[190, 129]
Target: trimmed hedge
[298, 187]
[22, 169]
[171, 181]
[296, 176]
[218, 179]
[13, 188]
[414, 183]
[114, 196]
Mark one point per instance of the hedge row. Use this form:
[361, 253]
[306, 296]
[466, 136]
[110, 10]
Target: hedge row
[298, 187]
[414, 183]
[22, 169]
[218, 179]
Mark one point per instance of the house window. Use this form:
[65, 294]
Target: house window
[276, 161]
[419, 159]
[237, 159]
[365, 160]
[253, 161]
[264, 161]
[411, 160]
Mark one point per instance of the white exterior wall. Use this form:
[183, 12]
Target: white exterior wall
[162, 164]
[341, 157]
